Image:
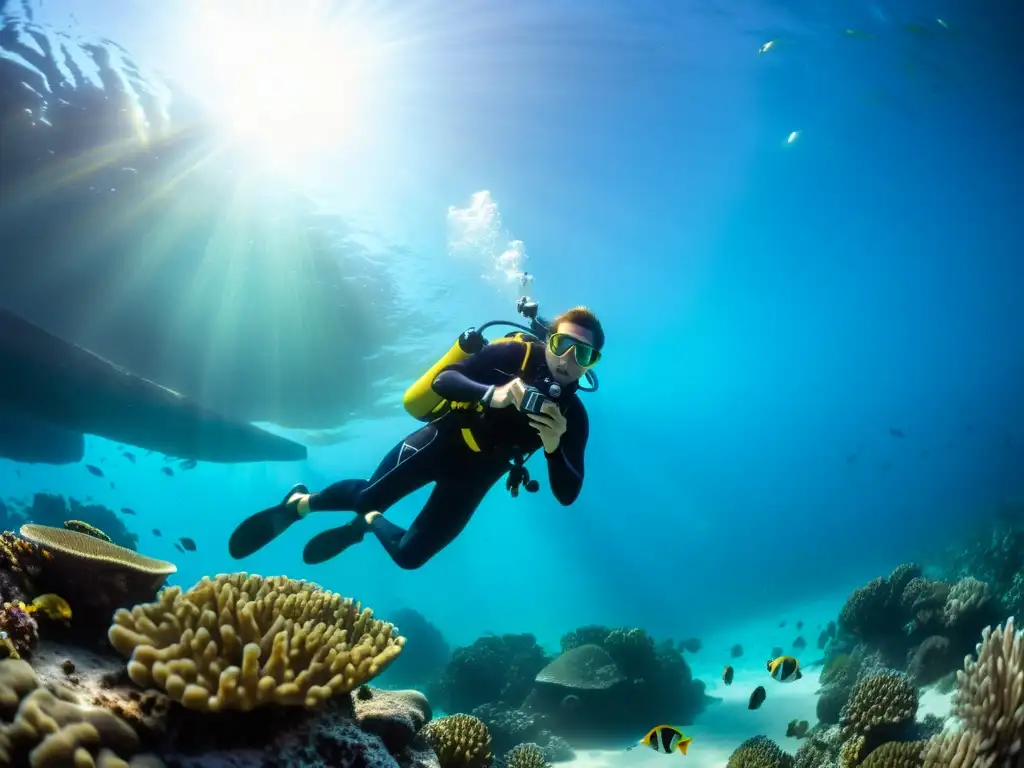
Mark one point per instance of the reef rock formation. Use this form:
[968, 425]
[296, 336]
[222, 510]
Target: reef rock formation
[612, 682]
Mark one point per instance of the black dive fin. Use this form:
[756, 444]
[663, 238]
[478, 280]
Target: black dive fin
[333, 542]
[260, 529]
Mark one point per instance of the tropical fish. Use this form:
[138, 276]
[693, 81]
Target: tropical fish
[727, 674]
[188, 464]
[94, 470]
[785, 669]
[178, 547]
[799, 625]
[52, 606]
[156, 532]
[127, 510]
[895, 432]
[167, 471]
[188, 543]
[692, 644]
[800, 643]
[766, 47]
[737, 651]
[665, 739]
[129, 456]
[757, 698]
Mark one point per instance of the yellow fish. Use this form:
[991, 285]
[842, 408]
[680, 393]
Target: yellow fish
[785, 669]
[666, 739]
[52, 606]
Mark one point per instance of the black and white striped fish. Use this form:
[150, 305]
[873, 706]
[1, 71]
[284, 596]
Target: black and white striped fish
[665, 739]
[785, 669]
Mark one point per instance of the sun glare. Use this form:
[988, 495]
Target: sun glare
[288, 84]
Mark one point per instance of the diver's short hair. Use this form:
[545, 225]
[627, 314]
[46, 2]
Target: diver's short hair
[584, 318]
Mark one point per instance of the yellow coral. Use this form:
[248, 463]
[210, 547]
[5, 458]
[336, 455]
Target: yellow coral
[50, 731]
[759, 752]
[896, 754]
[955, 749]
[459, 741]
[990, 697]
[526, 756]
[880, 702]
[239, 641]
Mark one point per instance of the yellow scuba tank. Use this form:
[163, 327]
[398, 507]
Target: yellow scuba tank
[423, 403]
[420, 400]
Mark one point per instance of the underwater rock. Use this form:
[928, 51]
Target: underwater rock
[395, 716]
[493, 670]
[378, 729]
[510, 727]
[77, 390]
[170, 176]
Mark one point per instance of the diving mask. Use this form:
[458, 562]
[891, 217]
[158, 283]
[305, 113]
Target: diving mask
[585, 354]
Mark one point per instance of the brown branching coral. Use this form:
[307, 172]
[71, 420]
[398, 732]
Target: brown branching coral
[880, 709]
[50, 731]
[955, 749]
[990, 697]
[459, 741]
[759, 752]
[239, 641]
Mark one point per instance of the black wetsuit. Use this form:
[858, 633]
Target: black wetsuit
[440, 453]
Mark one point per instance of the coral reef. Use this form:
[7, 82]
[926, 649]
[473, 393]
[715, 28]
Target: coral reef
[493, 670]
[241, 641]
[759, 752]
[426, 651]
[994, 553]
[908, 623]
[52, 730]
[21, 632]
[20, 563]
[459, 741]
[614, 682]
[93, 575]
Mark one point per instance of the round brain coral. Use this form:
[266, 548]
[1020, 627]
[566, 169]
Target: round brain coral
[896, 754]
[759, 752]
[526, 756]
[880, 708]
[459, 741]
[239, 641]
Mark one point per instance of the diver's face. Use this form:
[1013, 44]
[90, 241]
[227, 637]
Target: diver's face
[564, 368]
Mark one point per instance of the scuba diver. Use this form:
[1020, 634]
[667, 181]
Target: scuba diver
[487, 406]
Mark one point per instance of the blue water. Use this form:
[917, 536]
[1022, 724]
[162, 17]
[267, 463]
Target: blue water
[771, 307]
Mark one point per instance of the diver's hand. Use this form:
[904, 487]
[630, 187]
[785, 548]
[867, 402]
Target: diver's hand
[509, 394]
[550, 424]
